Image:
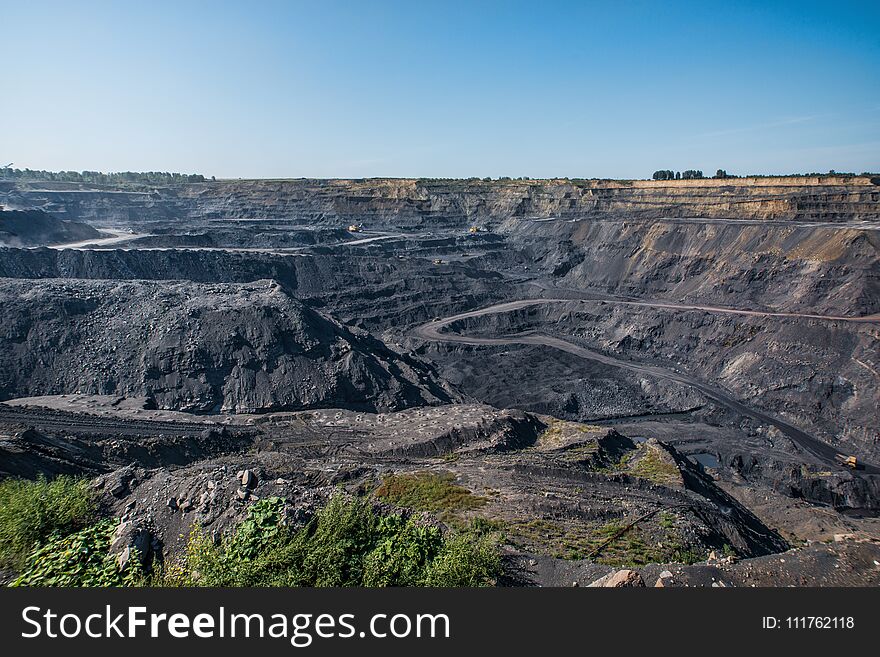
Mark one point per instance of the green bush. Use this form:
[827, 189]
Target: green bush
[79, 559]
[402, 554]
[33, 512]
[346, 544]
[464, 561]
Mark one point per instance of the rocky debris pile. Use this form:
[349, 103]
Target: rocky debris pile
[560, 489]
[663, 504]
[200, 348]
[134, 540]
[213, 494]
[847, 563]
[35, 228]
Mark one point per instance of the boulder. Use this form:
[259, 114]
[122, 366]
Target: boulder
[618, 579]
[665, 579]
[248, 479]
[133, 539]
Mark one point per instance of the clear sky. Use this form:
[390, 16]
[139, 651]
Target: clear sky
[440, 89]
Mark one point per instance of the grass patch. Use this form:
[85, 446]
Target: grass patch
[562, 432]
[654, 468]
[34, 512]
[435, 492]
[346, 544]
[583, 454]
[667, 520]
[635, 547]
[557, 539]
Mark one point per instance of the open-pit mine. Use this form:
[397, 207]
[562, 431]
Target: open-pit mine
[676, 378]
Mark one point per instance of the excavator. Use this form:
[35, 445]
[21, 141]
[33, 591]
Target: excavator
[354, 228]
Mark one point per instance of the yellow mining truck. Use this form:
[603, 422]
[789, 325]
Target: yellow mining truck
[354, 228]
[849, 461]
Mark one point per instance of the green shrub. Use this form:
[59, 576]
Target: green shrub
[402, 554]
[333, 547]
[33, 512]
[79, 559]
[346, 544]
[464, 561]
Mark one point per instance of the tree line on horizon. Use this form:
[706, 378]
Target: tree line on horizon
[691, 174]
[167, 178]
[100, 178]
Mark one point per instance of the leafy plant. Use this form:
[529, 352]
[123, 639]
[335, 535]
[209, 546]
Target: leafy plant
[79, 559]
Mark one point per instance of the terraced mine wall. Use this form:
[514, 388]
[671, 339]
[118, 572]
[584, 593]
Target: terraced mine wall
[786, 267]
[447, 203]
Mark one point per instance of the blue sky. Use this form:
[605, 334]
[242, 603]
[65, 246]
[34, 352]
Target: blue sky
[440, 89]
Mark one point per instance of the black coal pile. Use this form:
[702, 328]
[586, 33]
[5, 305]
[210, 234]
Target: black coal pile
[199, 348]
[35, 227]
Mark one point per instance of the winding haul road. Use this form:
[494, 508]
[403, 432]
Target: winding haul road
[596, 297]
[433, 331]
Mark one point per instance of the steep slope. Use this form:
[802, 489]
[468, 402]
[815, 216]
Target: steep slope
[784, 266]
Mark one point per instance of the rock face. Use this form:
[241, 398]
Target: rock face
[819, 372]
[789, 266]
[199, 348]
[35, 227]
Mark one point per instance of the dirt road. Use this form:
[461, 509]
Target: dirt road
[115, 236]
